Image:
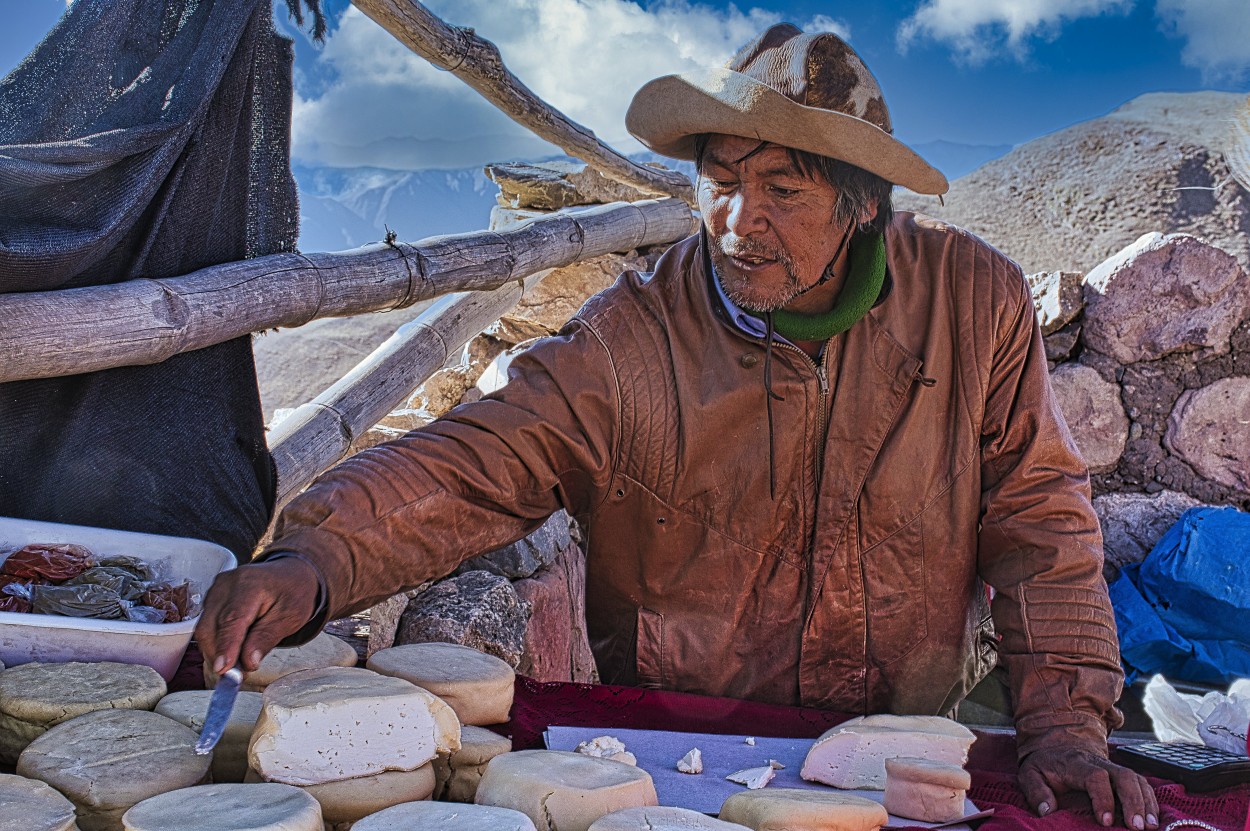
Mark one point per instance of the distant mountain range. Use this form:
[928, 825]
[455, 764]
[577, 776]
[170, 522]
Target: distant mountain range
[344, 208]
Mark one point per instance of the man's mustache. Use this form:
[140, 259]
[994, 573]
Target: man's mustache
[740, 247]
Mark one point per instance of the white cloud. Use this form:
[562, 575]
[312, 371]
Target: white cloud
[1216, 33]
[386, 107]
[979, 29]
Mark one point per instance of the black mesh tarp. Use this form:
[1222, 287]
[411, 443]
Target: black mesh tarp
[144, 138]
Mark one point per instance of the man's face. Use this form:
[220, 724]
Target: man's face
[772, 228]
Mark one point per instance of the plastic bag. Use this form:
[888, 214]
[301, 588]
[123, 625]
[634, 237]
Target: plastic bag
[87, 600]
[1184, 611]
[52, 561]
[1216, 719]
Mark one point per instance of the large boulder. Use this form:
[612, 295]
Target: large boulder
[1071, 199]
[1094, 414]
[1164, 294]
[477, 609]
[556, 644]
[1132, 523]
[1210, 429]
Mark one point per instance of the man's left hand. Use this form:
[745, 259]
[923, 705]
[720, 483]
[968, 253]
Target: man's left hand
[1046, 773]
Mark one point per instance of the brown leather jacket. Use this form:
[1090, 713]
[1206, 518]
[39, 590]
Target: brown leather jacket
[924, 458]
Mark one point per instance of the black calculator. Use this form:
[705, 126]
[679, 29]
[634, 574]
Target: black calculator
[1196, 766]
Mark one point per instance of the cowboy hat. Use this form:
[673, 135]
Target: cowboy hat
[806, 91]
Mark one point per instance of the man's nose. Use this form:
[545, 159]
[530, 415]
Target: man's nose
[745, 215]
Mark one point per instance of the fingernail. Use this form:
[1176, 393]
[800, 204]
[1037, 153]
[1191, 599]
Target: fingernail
[1043, 809]
[1152, 820]
[1106, 819]
[219, 666]
[255, 657]
[1138, 822]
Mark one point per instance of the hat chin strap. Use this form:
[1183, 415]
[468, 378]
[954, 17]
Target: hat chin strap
[828, 273]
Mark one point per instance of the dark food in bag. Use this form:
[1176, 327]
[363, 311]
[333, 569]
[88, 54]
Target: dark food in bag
[68, 580]
[53, 561]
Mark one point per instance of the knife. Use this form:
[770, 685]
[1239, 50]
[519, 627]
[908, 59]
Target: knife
[219, 707]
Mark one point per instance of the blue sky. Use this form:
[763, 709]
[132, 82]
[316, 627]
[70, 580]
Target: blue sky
[969, 71]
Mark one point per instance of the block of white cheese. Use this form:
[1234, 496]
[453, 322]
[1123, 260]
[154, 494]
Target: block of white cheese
[34, 697]
[31, 805]
[348, 800]
[853, 754]
[459, 774]
[109, 760]
[791, 809]
[325, 650]
[230, 755]
[662, 819]
[925, 790]
[476, 685]
[227, 807]
[445, 817]
[564, 791]
[323, 725]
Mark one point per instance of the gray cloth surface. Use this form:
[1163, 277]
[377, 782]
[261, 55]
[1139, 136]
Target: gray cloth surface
[145, 139]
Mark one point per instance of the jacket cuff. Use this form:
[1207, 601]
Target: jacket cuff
[321, 609]
[1068, 731]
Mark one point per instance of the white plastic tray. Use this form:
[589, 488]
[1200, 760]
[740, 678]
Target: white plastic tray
[55, 639]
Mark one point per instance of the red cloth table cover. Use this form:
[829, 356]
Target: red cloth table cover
[992, 761]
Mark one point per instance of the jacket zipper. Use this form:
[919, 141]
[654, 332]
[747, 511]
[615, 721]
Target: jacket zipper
[822, 376]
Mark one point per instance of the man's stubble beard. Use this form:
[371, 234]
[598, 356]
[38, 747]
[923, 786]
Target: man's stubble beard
[752, 301]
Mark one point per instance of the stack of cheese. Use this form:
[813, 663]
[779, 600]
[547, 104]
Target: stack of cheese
[108, 760]
[354, 740]
[35, 697]
[917, 760]
[478, 688]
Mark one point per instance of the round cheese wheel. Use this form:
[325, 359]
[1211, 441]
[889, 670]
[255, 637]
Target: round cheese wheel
[662, 819]
[459, 774]
[325, 650]
[30, 805]
[924, 789]
[227, 807]
[230, 755]
[323, 725]
[476, 685]
[34, 697]
[348, 800]
[445, 817]
[562, 790]
[792, 809]
[108, 760]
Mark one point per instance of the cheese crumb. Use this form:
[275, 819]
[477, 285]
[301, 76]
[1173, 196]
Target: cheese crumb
[753, 778]
[691, 763]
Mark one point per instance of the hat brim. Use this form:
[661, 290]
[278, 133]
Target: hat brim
[668, 113]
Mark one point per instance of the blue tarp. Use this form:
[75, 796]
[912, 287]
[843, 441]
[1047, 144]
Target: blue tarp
[1184, 611]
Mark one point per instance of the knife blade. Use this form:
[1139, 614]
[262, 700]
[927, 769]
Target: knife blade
[219, 707]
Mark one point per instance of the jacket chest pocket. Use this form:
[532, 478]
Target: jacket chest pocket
[896, 594]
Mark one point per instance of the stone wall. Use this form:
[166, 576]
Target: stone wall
[1151, 364]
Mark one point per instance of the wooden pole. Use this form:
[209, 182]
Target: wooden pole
[477, 62]
[319, 434]
[49, 334]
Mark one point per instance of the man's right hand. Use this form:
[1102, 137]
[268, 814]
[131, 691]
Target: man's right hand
[249, 610]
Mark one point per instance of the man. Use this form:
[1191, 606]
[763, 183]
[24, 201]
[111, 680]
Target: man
[801, 449]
